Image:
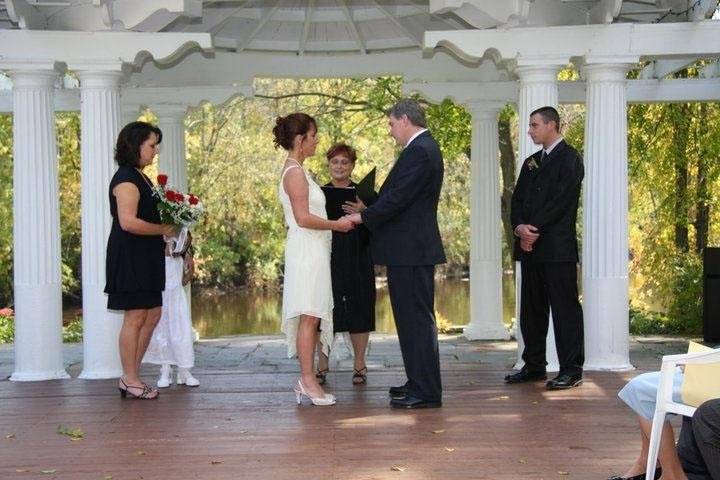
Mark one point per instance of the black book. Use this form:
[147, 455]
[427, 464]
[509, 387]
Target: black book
[335, 197]
[366, 188]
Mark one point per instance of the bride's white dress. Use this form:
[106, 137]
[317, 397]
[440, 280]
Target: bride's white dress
[307, 288]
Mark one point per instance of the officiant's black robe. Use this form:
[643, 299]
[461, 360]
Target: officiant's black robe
[353, 281]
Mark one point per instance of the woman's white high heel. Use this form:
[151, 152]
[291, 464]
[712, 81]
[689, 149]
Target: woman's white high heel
[184, 377]
[300, 392]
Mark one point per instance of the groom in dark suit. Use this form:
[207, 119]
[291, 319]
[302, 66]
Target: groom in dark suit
[405, 237]
[543, 214]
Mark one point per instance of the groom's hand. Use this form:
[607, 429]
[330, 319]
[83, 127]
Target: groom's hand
[354, 207]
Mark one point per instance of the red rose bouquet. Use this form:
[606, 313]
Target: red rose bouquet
[176, 207]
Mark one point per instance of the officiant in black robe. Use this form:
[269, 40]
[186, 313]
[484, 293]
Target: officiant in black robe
[351, 266]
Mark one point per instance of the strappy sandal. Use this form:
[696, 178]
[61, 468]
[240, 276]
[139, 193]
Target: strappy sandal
[359, 376]
[321, 375]
[148, 393]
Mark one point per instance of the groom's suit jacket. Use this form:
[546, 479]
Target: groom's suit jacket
[546, 196]
[403, 220]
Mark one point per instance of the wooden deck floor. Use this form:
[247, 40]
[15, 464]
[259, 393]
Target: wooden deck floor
[246, 425]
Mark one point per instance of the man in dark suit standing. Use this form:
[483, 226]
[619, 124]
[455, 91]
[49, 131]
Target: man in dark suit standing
[405, 237]
[543, 214]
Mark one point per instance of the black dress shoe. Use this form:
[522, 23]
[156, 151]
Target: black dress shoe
[413, 402]
[564, 381]
[525, 376]
[658, 474]
[398, 392]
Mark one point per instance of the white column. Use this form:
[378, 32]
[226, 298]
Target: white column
[538, 88]
[171, 120]
[605, 220]
[486, 312]
[36, 229]
[172, 162]
[100, 116]
[129, 113]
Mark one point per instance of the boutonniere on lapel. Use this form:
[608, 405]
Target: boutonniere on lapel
[532, 164]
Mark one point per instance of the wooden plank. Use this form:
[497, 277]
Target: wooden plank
[246, 425]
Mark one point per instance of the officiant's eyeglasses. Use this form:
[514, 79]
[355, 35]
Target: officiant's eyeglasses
[342, 160]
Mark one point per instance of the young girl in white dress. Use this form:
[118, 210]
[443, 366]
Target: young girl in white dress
[172, 340]
[307, 291]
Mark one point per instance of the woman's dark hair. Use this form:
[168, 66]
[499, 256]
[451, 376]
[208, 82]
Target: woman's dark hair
[286, 128]
[342, 149]
[130, 139]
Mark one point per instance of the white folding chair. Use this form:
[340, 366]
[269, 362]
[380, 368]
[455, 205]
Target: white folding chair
[665, 404]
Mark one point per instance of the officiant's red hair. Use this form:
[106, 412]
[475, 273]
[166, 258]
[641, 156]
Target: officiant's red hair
[342, 149]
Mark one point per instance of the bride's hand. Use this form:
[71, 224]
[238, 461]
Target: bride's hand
[343, 225]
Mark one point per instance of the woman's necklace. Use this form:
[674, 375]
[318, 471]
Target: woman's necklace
[144, 177]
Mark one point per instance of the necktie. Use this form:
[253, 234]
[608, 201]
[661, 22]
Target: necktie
[543, 157]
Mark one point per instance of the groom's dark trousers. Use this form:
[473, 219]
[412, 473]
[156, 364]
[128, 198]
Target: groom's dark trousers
[412, 295]
[405, 237]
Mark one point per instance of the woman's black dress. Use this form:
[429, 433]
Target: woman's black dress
[135, 264]
[353, 280]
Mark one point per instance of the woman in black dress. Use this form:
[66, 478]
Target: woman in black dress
[135, 261]
[351, 269]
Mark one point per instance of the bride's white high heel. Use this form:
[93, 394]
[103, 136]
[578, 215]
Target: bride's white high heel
[300, 392]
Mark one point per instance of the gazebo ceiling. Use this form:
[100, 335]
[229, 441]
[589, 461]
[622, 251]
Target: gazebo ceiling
[331, 26]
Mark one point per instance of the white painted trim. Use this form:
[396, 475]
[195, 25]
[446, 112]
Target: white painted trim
[69, 47]
[620, 39]
[638, 91]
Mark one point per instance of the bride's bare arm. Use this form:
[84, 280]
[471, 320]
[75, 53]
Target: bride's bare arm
[297, 188]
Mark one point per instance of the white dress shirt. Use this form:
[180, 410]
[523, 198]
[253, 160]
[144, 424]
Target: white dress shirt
[551, 147]
[415, 136]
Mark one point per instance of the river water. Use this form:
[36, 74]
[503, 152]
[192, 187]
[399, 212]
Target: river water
[258, 311]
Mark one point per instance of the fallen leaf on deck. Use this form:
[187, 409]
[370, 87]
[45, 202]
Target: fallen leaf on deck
[399, 468]
[522, 460]
[18, 470]
[560, 472]
[107, 477]
[449, 449]
[438, 431]
[140, 452]
[48, 472]
[501, 397]
[10, 437]
[215, 462]
[243, 431]
[535, 402]
[73, 433]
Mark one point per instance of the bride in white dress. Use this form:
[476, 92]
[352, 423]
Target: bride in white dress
[307, 291]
